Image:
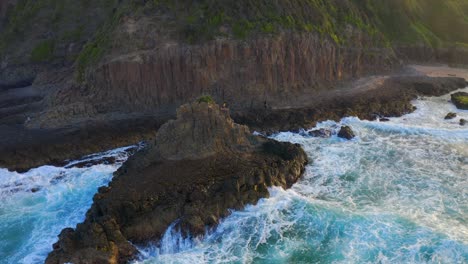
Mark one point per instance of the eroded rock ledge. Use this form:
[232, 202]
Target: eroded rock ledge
[391, 97]
[199, 166]
[22, 149]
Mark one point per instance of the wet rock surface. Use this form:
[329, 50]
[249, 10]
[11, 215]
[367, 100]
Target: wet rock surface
[450, 116]
[323, 133]
[460, 100]
[199, 166]
[346, 132]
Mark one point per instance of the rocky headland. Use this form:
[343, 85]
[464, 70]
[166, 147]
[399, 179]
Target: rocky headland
[198, 167]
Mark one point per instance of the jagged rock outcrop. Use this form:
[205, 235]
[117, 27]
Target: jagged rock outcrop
[202, 130]
[199, 166]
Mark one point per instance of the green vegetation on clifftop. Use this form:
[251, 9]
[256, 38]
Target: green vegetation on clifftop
[206, 19]
[43, 51]
[430, 22]
[48, 30]
[82, 32]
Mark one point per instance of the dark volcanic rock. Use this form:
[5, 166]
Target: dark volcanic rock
[346, 132]
[463, 122]
[460, 99]
[450, 116]
[199, 166]
[384, 119]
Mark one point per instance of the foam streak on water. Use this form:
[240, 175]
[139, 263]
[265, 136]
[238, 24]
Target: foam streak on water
[398, 193]
[35, 206]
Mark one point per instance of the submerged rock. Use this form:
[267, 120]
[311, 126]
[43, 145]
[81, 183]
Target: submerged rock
[323, 133]
[346, 132]
[201, 165]
[463, 122]
[450, 116]
[460, 100]
[384, 119]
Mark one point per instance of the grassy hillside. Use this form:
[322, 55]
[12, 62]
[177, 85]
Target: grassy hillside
[206, 19]
[432, 22]
[47, 30]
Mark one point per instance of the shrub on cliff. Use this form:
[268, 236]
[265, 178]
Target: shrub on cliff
[206, 99]
[44, 51]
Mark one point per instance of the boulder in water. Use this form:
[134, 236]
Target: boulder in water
[463, 122]
[460, 100]
[450, 116]
[346, 132]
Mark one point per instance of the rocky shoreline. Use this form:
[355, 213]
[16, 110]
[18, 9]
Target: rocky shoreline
[22, 148]
[200, 165]
[391, 98]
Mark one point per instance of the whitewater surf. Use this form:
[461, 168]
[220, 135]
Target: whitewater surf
[35, 206]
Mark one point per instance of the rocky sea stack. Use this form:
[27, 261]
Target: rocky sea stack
[200, 165]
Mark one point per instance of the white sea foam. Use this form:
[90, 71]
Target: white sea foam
[35, 206]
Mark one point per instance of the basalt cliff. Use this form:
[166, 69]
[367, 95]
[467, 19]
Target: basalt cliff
[199, 166]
